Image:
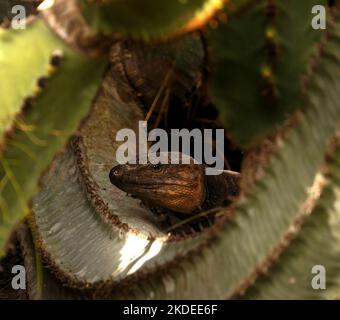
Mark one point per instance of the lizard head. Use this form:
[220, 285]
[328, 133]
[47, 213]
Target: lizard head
[175, 187]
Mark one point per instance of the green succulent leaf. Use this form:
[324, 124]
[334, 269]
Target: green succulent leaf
[21, 65]
[147, 18]
[41, 284]
[46, 126]
[317, 245]
[259, 59]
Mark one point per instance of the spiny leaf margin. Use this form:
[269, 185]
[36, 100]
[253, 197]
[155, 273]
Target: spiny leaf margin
[54, 116]
[260, 79]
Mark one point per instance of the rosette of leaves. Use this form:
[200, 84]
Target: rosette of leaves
[82, 70]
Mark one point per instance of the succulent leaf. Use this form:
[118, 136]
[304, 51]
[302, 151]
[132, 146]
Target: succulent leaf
[260, 58]
[47, 124]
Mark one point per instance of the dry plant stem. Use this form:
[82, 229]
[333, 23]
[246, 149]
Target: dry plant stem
[159, 94]
[164, 108]
[193, 218]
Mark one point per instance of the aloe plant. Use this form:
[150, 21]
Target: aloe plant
[82, 70]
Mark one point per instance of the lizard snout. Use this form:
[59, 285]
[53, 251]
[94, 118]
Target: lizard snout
[116, 174]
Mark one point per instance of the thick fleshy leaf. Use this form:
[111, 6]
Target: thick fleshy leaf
[46, 126]
[41, 284]
[313, 254]
[259, 59]
[146, 18]
[21, 66]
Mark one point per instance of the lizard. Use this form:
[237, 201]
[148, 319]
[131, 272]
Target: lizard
[180, 188]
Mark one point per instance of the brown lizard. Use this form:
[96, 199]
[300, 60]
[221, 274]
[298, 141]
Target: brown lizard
[180, 188]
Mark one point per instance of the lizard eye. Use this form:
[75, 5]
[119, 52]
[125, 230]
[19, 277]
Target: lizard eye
[157, 167]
